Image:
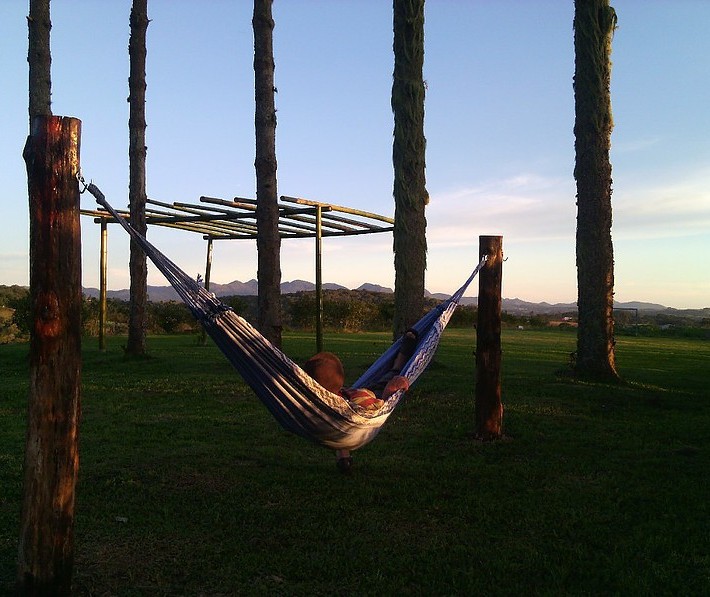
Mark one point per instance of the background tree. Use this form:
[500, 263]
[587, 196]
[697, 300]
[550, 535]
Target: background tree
[39, 59]
[138, 266]
[408, 157]
[594, 24]
[268, 241]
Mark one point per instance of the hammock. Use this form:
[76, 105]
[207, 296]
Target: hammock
[293, 397]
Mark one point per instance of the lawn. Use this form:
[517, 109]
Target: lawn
[188, 486]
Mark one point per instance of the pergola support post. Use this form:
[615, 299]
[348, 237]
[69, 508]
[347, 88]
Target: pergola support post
[488, 407]
[208, 273]
[103, 270]
[319, 279]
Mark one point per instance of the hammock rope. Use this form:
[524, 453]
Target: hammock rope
[296, 400]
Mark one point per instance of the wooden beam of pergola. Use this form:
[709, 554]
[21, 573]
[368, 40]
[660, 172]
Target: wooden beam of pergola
[222, 219]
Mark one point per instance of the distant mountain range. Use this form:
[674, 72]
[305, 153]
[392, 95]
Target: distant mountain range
[514, 306]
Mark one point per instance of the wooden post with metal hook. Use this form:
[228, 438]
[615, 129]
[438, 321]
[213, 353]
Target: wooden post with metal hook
[488, 406]
[46, 546]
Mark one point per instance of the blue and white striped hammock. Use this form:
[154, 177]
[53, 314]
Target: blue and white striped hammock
[292, 396]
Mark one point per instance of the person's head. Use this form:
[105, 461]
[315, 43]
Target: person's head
[327, 370]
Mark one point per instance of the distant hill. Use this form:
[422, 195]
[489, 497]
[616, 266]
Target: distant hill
[513, 306]
[516, 306]
[640, 306]
[375, 288]
[159, 294]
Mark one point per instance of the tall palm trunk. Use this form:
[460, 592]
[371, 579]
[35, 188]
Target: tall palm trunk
[594, 24]
[268, 241]
[39, 59]
[137, 321]
[408, 157]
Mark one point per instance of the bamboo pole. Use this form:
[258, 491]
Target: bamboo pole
[488, 407]
[341, 208]
[46, 546]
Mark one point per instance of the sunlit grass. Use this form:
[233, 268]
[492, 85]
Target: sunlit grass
[188, 486]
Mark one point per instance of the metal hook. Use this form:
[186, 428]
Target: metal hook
[81, 181]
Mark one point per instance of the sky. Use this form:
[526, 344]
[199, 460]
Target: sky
[499, 117]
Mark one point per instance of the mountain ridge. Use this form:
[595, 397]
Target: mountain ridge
[509, 305]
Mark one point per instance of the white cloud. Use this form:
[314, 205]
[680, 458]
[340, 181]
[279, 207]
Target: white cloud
[523, 207]
[677, 208]
[633, 146]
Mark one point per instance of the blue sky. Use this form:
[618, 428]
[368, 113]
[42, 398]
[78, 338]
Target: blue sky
[499, 119]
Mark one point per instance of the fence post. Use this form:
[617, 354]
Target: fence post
[488, 407]
[46, 546]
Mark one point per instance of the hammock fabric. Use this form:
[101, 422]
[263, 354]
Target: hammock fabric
[294, 398]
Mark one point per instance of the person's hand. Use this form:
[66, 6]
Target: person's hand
[395, 384]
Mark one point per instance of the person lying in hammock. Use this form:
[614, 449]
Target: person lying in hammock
[327, 369]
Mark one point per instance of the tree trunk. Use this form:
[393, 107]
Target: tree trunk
[408, 157]
[46, 547]
[39, 59]
[137, 320]
[268, 241]
[594, 24]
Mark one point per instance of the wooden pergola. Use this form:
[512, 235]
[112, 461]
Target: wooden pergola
[221, 219]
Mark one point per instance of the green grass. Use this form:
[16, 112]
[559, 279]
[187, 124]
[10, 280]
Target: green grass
[188, 486]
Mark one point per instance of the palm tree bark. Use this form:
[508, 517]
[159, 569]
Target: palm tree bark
[408, 157]
[39, 59]
[594, 24]
[268, 241]
[137, 321]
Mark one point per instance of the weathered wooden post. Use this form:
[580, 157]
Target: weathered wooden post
[488, 407]
[46, 546]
